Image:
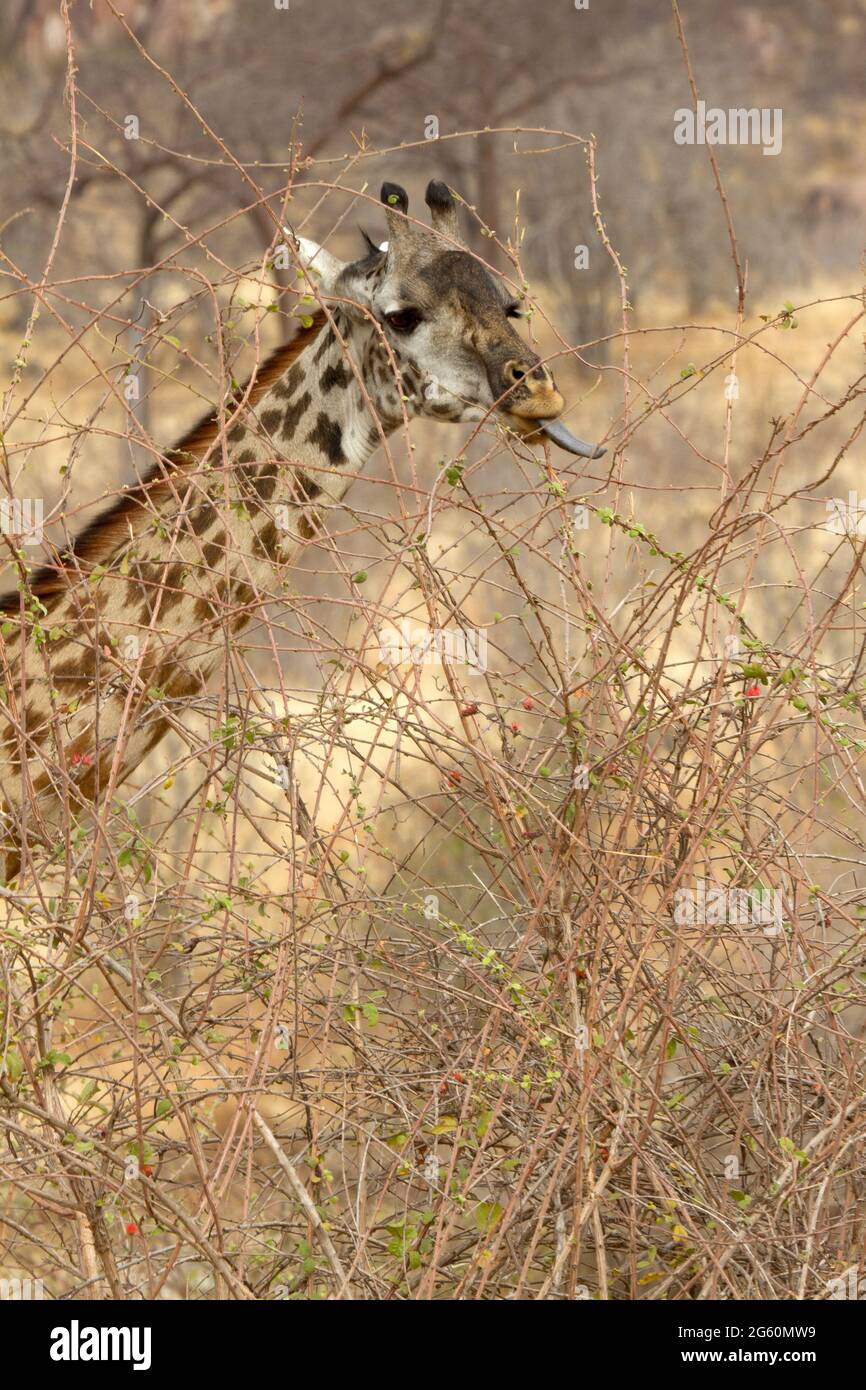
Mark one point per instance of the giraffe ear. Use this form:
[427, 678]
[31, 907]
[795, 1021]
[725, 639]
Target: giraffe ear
[324, 268]
[332, 277]
[373, 247]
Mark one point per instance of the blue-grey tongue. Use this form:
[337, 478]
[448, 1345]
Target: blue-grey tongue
[555, 430]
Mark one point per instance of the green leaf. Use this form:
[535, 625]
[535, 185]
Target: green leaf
[447, 1123]
[55, 1059]
[753, 670]
[14, 1064]
[486, 1216]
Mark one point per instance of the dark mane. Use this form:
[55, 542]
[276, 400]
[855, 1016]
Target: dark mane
[112, 525]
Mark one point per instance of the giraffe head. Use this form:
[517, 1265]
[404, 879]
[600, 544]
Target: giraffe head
[448, 322]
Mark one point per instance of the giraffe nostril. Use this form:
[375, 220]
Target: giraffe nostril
[516, 371]
[540, 374]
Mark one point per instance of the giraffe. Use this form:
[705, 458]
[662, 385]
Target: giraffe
[141, 606]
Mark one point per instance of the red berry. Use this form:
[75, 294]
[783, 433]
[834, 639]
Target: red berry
[529, 703]
[469, 709]
[131, 1228]
[515, 728]
[752, 691]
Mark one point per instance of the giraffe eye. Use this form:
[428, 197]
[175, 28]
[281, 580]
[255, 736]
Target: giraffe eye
[403, 320]
[514, 311]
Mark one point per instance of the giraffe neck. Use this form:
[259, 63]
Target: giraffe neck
[149, 625]
[310, 436]
[325, 416]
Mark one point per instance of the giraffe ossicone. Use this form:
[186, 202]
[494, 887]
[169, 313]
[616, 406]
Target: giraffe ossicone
[417, 326]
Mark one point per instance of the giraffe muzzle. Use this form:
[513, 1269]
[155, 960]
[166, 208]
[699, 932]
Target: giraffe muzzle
[538, 403]
[532, 391]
